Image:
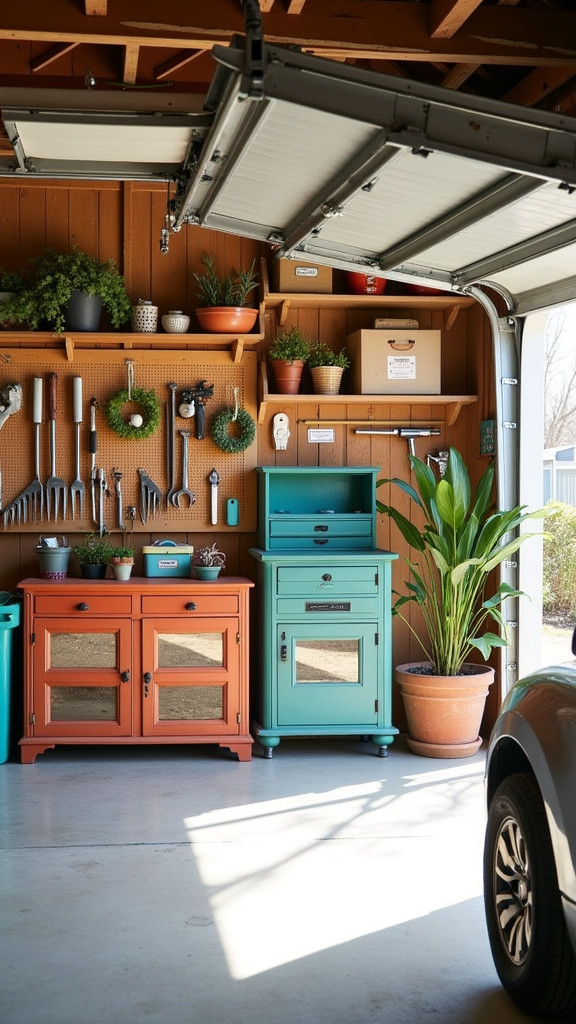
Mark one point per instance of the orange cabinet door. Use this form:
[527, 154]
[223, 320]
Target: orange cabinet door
[82, 680]
[190, 677]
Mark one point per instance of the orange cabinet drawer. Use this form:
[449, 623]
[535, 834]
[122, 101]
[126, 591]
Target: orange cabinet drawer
[69, 604]
[193, 604]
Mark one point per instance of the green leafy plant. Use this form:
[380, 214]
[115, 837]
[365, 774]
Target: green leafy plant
[322, 355]
[95, 550]
[48, 285]
[232, 289]
[210, 556]
[117, 554]
[11, 281]
[289, 346]
[559, 559]
[461, 542]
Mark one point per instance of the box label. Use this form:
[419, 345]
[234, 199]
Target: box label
[401, 367]
[327, 606]
[306, 271]
[167, 563]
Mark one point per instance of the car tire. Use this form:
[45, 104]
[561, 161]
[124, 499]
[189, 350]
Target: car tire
[530, 946]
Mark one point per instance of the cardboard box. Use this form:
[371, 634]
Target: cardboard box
[394, 362]
[298, 276]
[167, 559]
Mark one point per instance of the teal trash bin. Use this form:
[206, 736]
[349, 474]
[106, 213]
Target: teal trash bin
[9, 621]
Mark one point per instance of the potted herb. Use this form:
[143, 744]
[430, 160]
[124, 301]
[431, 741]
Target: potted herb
[11, 284]
[208, 562]
[57, 283]
[93, 555]
[462, 540]
[327, 367]
[288, 354]
[224, 308]
[121, 562]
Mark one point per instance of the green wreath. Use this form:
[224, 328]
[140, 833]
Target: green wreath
[148, 402]
[246, 427]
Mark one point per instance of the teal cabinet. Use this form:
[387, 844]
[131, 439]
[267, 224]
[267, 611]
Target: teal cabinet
[324, 610]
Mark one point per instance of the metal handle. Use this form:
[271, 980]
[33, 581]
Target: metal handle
[320, 540]
[125, 676]
[327, 577]
[83, 607]
[321, 528]
[53, 380]
[147, 681]
[191, 606]
[283, 653]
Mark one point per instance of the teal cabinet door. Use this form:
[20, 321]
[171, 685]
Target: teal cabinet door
[327, 674]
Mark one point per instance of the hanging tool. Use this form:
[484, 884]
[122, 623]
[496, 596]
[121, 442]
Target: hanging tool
[55, 486]
[184, 434]
[102, 489]
[31, 499]
[171, 444]
[198, 395]
[118, 488]
[408, 433]
[77, 487]
[213, 480]
[93, 450]
[150, 497]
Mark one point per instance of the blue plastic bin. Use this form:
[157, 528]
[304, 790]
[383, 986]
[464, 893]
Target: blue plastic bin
[9, 620]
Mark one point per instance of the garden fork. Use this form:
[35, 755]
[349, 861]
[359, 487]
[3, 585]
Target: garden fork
[55, 486]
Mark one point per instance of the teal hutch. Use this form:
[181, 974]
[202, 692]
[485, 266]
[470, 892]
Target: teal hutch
[324, 607]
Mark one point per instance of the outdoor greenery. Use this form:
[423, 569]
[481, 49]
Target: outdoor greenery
[460, 543]
[95, 550]
[49, 282]
[322, 355]
[232, 289]
[290, 345]
[210, 556]
[559, 559]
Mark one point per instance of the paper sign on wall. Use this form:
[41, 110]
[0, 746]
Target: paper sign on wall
[320, 436]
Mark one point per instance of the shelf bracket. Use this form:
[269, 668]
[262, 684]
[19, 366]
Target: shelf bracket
[284, 310]
[453, 410]
[69, 346]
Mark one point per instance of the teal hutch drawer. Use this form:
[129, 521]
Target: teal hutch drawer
[315, 607]
[329, 578]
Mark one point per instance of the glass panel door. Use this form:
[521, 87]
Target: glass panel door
[187, 669]
[327, 673]
[82, 676]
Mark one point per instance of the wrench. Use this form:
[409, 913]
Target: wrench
[184, 434]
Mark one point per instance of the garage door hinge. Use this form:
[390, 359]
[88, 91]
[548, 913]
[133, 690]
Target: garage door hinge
[509, 380]
[508, 564]
[511, 624]
[510, 425]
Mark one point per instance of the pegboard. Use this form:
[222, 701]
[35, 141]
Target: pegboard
[103, 374]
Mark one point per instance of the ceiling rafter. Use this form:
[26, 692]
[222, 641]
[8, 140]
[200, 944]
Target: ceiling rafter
[39, 63]
[175, 63]
[448, 16]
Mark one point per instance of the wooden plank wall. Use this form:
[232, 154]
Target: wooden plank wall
[124, 221]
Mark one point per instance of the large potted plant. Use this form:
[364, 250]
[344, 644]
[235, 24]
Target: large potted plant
[67, 291]
[288, 355]
[462, 540]
[224, 299]
[326, 367]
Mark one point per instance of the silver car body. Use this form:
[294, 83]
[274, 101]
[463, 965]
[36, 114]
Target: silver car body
[536, 732]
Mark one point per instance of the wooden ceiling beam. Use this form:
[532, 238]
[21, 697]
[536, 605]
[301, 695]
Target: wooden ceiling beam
[175, 63]
[372, 30]
[538, 84]
[41, 62]
[448, 16]
[130, 71]
[96, 8]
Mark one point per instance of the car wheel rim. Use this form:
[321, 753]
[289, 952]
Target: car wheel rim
[513, 891]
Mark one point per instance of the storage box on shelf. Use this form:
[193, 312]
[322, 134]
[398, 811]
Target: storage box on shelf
[324, 593]
[394, 362]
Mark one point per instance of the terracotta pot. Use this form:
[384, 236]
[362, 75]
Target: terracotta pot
[226, 319]
[287, 375]
[122, 569]
[444, 713]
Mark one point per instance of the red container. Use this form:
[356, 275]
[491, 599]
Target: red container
[365, 284]
[421, 289]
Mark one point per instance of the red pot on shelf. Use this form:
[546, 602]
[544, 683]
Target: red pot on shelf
[421, 289]
[365, 284]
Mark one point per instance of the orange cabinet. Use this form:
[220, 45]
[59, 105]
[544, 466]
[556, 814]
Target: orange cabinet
[146, 661]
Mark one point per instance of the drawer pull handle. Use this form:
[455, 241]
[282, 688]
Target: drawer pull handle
[147, 681]
[191, 606]
[125, 676]
[83, 607]
[327, 577]
[320, 540]
[321, 528]
[283, 653]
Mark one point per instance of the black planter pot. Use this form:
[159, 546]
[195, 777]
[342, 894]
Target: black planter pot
[84, 312]
[93, 572]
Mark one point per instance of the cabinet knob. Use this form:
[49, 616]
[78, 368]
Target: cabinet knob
[321, 528]
[327, 577]
[191, 606]
[125, 676]
[147, 681]
[83, 607]
[283, 653]
[320, 540]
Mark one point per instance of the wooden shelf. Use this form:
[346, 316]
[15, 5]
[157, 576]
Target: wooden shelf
[452, 403]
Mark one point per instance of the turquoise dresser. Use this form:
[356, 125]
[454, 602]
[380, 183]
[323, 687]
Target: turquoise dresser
[324, 607]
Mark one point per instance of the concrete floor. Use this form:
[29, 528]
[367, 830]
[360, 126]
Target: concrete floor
[174, 885]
